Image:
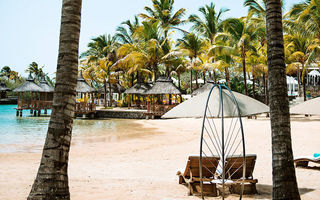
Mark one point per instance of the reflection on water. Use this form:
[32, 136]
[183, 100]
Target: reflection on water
[27, 133]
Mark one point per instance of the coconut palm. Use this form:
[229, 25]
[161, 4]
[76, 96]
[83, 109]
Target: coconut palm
[242, 33]
[102, 49]
[192, 46]
[34, 69]
[52, 177]
[5, 71]
[124, 33]
[163, 11]
[284, 177]
[209, 25]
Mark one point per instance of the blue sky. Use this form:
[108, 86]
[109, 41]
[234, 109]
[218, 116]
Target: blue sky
[30, 28]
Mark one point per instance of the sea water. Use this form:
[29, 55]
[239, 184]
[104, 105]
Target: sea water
[18, 133]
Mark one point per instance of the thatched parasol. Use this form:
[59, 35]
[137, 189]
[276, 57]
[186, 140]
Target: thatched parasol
[204, 88]
[28, 86]
[4, 88]
[138, 88]
[45, 87]
[82, 85]
[115, 88]
[163, 86]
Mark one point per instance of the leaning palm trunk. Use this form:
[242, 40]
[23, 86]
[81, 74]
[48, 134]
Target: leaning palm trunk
[283, 171]
[52, 178]
[105, 92]
[110, 94]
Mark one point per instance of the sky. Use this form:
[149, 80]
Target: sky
[30, 28]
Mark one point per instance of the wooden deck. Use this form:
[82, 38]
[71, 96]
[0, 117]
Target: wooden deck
[157, 110]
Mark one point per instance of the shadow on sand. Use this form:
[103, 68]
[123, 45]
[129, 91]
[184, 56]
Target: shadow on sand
[265, 191]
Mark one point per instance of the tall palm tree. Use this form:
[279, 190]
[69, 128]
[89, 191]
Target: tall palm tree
[283, 171]
[35, 70]
[125, 33]
[209, 25]
[192, 45]
[52, 177]
[163, 11]
[243, 34]
[102, 49]
[6, 71]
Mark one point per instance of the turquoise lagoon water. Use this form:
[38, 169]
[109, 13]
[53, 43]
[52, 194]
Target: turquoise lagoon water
[17, 133]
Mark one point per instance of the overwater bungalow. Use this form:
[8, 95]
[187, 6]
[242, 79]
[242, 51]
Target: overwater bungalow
[162, 97]
[3, 91]
[33, 97]
[137, 95]
[85, 104]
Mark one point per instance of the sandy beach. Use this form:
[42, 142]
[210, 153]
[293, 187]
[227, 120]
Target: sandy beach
[142, 164]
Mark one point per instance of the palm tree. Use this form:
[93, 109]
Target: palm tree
[209, 25]
[52, 178]
[34, 69]
[192, 45]
[125, 34]
[6, 71]
[283, 171]
[102, 49]
[242, 33]
[163, 11]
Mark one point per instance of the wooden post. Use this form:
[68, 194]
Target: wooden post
[45, 103]
[31, 106]
[21, 113]
[39, 106]
[17, 114]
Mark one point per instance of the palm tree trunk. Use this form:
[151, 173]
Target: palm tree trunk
[191, 82]
[253, 85]
[179, 82]
[298, 79]
[283, 171]
[105, 92]
[110, 94]
[197, 85]
[52, 178]
[204, 76]
[244, 71]
[226, 70]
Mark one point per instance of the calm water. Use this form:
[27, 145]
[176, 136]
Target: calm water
[16, 133]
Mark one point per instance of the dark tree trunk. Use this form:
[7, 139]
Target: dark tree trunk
[204, 76]
[244, 72]
[299, 81]
[197, 85]
[226, 70]
[51, 182]
[253, 85]
[132, 79]
[283, 171]
[214, 77]
[105, 92]
[191, 82]
[110, 94]
[179, 82]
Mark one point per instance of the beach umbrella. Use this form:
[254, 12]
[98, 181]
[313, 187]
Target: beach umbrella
[310, 107]
[195, 106]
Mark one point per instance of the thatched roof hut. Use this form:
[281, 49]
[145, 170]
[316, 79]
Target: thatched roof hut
[163, 86]
[45, 87]
[204, 88]
[82, 85]
[28, 86]
[4, 88]
[138, 88]
[115, 88]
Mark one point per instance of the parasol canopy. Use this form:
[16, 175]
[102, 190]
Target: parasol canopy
[310, 107]
[195, 107]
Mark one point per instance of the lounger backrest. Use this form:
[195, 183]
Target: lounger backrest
[234, 166]
[209, 165]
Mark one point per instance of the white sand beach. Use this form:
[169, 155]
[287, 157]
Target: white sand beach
[144, 166]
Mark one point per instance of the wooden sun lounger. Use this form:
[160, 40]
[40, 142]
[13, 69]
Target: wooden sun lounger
[304, 161]
[191, 175]
[234, 170]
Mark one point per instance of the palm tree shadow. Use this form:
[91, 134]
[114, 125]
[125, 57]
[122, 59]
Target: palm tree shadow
[265, 191]
[317, 168]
